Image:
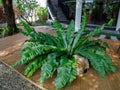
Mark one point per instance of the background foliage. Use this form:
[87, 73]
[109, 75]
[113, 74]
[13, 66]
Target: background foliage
[42, 13]
[28, 9]
[0, 2]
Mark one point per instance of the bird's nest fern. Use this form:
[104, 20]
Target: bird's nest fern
[55, 53]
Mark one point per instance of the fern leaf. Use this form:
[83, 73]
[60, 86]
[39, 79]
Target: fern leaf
[85, 44]
[79, 44]
[99, 60]
[96, 31]
[59, 28]
[73, 70]
[60, 33]
[84, 20]
[24, 32]
[34, 51]
[66, 73]
[49, 67]
[51, 40]
[34, 65]
[80, 32]
[70, 31]
[70, 34]
[27, 27]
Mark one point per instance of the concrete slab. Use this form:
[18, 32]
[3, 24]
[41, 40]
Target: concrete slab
[102, 36]
[113, 37]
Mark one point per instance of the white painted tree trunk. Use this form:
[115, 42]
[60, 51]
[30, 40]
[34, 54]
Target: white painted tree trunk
[78, 14]
[118, 21]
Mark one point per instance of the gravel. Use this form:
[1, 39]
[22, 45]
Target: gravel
[10, 80]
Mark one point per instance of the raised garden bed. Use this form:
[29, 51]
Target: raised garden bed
[90, 81]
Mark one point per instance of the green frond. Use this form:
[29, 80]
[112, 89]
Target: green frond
[79, 44]
[34, 65]
[85, 44]
[66, 72]
[49, 67]
[31, 40]
[27, 27]
[70, 31]
[99, 59]
[79, 33]
[32, 52]
[79, 39]
[24, 32]
[60, 33]
[96, 31]
[70, 34]
[59, 28]
[84, 20]
[43, 38]
[50, 39]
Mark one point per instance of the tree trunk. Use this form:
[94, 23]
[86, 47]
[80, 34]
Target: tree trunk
[10, 16]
